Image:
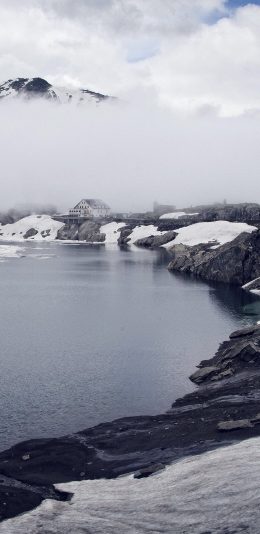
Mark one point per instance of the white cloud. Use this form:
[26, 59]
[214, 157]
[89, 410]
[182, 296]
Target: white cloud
[127, 47]
[218, 66]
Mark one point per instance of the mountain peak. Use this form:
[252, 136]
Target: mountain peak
[39, 88]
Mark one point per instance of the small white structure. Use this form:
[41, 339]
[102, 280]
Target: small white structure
[90, 207]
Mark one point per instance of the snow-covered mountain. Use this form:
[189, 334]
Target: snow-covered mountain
[39, 88]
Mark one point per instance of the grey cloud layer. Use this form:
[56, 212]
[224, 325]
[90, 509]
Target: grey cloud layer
[128, 15]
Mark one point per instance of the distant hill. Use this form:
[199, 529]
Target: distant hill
[28, 88]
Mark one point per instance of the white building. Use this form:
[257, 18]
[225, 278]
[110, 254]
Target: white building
[90, 207]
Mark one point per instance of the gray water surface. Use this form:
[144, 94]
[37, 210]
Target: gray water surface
[90, 333]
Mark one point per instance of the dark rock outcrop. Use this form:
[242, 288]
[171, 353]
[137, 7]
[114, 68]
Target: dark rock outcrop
[88, 231]
[156, 241]
[240, 353]
[236, 262]
[30, 233]
[245, 212]
[27, 87]
[245, 332]
[125, 233]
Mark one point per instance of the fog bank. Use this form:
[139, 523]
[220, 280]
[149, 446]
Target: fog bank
[127, 154]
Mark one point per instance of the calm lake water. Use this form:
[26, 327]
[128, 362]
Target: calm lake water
[89, 334]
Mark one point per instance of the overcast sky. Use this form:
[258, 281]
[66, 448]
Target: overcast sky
[188, 73]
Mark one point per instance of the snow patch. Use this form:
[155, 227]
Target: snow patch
[217, 233]
[215, 492]
[44, 225]
[176, 215]
[112, 231]
[251, 284]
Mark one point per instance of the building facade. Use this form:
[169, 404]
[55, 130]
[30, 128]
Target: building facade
[90, 208]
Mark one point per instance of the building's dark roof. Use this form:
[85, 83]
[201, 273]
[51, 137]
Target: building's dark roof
[94, 203]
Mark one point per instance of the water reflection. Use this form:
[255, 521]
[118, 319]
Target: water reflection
[237, 302]
[232, 300]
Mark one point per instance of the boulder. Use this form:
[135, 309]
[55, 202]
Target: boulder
[224, 426]
[46, 233]
[203, 374]
[30, 233]
[155, 241]
[245, 331]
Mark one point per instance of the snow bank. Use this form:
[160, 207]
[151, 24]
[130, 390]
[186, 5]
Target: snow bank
[44, 225]
[176, 215]
[216, 232]
[216, 492]
[142, 231]
[112, 231]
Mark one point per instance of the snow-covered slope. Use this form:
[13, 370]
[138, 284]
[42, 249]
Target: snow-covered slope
[217, 492]
[45, 229]
[38, 87]
[217, 233]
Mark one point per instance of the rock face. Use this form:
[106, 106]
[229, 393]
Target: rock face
[236, 262]
[240, 353]
[88, 231]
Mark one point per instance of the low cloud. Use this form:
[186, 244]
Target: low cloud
[129, 155]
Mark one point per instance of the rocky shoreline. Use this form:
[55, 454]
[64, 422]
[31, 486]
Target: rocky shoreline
[230, 253]
[236, 262]
[223, 409]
